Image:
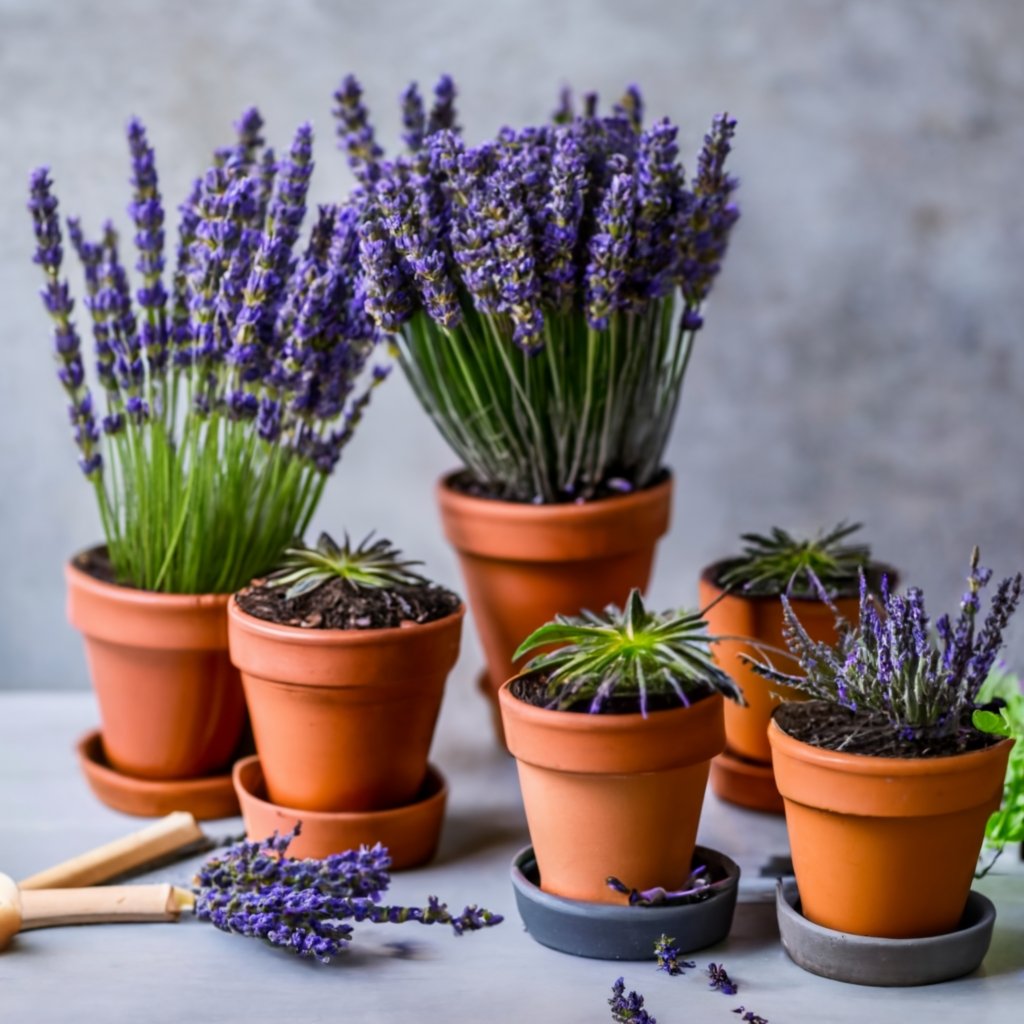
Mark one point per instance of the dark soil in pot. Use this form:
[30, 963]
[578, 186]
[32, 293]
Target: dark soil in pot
[340, 604]
[613, 487]
[532, 690]
[830, 727]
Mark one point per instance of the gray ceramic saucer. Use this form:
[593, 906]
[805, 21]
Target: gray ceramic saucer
[885, 962]
[607, 931]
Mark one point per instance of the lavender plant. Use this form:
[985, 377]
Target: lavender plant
[923, 683]
[544, 288]
[368, 564]
[305, 906]
[229, 386]
[781, 563]
[630, 654]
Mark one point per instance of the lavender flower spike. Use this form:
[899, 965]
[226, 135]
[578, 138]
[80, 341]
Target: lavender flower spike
[609, 252]
[414, 118]
[57, 300]
[628, 1009]
[442, 113]
[355, 133]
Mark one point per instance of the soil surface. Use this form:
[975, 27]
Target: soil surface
[830, 727]
[465, 483]
[532, 690]
[340, 604]
[96, 563]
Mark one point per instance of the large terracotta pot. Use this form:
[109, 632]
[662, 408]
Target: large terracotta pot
[759, 617]
[343, 719]
[883, 846]
[524, 564]
[171, 704]
[612, 794]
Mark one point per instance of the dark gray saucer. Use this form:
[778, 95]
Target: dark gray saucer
[885, 962]
[607, 931]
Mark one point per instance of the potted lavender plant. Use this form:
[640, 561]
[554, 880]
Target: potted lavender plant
[344, 651]
[545, 291]
[613, 729]
[227, 399]
[887, 782]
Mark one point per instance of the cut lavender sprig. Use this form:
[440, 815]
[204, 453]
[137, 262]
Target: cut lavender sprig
[669, 956]
[749, 1017]
[698, 887]
[628, 1008]
[304, 905]
[720, 980]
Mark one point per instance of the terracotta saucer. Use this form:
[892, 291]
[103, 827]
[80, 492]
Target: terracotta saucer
[410, 833]
[208, 797]
[746, 783]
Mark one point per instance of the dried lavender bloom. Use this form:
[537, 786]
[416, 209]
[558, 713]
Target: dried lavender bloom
[304, 906]
[698, 886]
[720, 980]
[670, 958]
[925, 684]
[628, 1009]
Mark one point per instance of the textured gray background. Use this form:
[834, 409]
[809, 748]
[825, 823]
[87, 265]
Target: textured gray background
[862, 354]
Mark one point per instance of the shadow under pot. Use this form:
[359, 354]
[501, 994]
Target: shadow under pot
[885, 846]
[524, 564]
[743, 774]
[612, 794]
[343, 719]
[170, 701]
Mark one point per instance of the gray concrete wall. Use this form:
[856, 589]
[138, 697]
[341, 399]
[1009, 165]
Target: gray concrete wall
[862, 357]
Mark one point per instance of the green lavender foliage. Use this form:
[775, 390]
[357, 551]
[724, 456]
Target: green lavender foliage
[369, 563]
[632, 653]
[781, 563]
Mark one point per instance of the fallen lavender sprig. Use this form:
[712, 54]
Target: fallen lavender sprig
[720, 980]
[749, 1017]
[698, 886]
[670, 958]
[304, 905]
[628, 1009]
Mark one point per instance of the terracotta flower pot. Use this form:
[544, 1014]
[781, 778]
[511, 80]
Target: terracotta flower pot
[343, 719]
[884, 846]
[171, 704]
[612, 794]
[759, 617]
[523, 564]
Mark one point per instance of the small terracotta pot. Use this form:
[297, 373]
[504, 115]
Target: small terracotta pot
[343, 718]
[171, 705]
[885, 846]
[523, 564]
[759, 617]
[612, 794]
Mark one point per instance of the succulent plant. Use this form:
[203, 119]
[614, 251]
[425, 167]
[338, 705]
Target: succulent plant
[369, 564]
[781, 563]
[626, 653]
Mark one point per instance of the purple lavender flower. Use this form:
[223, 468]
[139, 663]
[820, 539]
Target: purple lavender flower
[562, 217]
[354, 130]
[609, 253]
[442, 113]
[628, 1009]
[720, 980]
[669, 956]
[565, 112]
[388, 292]
[414, 118]
[631, 107]
[749, 1017]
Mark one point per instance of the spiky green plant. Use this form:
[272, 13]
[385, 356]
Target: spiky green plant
[1006, 825]
[626, 653]
[369, 564]
[783, 564]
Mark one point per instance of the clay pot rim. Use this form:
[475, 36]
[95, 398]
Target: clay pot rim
[709, 575]
[241, 619]
[577, 721]
[498, 509]
[434, 784]
[118, 592]
[873, 765]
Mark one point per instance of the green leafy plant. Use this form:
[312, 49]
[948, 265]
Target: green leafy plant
[1006, 825]
[369, 564]
[633, 653]
[783, 564]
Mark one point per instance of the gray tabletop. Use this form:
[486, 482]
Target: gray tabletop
[190, 971]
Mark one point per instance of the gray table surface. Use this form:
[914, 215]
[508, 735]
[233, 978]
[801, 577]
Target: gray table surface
[191, 972]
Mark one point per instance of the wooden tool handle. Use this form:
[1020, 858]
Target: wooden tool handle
[47, 908]
[173, 832]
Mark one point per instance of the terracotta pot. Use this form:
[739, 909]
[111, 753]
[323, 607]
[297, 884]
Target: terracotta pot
[171, 706]
[885, 846]
[523, 564]
[343, 719]
[612, 794]
[760, 618]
